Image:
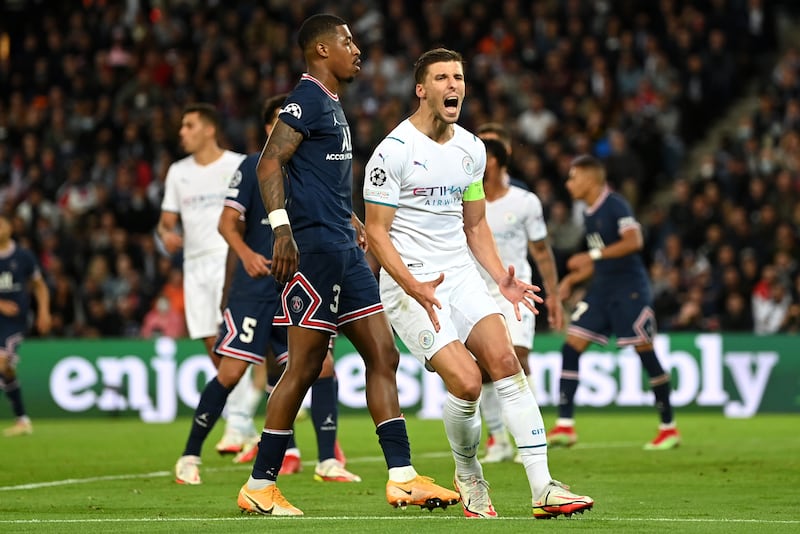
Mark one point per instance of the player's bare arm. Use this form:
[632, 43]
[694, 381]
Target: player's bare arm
[8, 307]
[281, 145]
[230, 265]
[167, 223]
[378, 222]
[231, 228]
[42, 294]
[583, 272]
[542, 254]
[631, 242]
[481, 242]
[361, 232]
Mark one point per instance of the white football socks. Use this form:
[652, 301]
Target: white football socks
[492, 413]
[239, 407]
[462, 423]
[525, 423]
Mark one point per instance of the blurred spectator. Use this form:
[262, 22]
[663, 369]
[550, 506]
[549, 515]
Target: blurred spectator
[536, 122]
[93, 95]
[163, 320]
[771, 301]
[736, 315]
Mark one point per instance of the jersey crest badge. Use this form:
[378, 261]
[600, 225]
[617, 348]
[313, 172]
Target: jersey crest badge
[236, 180]
[468, 164]
[426, 339]
[296, 304]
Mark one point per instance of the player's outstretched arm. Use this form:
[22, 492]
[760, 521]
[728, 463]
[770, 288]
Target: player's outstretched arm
[281, 145]
[481, 242]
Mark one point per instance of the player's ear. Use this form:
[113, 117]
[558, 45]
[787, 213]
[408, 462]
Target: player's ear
[322, 49]
[420, 91]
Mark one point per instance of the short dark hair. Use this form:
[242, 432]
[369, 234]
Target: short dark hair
[206, 111]
[437, 55]
[497, 150]
[271, 106]
[317, 25]
[497, 129]
[586, 161]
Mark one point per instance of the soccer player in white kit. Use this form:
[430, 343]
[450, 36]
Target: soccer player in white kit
[517, 222]
[194, 195]
[424, 215]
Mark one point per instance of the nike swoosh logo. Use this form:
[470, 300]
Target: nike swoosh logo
[256, 505]
[405, 491]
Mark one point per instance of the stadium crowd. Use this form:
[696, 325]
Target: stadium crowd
[93, 93]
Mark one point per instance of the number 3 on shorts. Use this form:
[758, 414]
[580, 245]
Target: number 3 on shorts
[335, 305]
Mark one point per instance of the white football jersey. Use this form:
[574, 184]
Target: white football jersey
[197, 193]
[515, 219]
[426, 182]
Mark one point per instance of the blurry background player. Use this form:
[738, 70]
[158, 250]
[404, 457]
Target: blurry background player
[517, 222]
[495, 130]
[19, 274]
[618, 300]
[325, 390]
[246, 334]
[194, 193]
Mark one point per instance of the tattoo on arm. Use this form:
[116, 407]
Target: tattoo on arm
[282, 144]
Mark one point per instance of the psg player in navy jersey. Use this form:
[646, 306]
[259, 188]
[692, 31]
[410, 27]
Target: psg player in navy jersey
[329, 285]
[19, 274]
[250, 300]
[618, 300]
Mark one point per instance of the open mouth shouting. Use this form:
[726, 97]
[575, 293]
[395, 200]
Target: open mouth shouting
[451, 105]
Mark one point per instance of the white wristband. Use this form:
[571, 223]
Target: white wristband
[278, 218]
[595, 254]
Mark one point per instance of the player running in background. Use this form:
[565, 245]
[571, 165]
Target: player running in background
[425, 213]
[249, 302]
[618, 300]
[517, 222]
[193, 196]
[305, 176]
[19, 275]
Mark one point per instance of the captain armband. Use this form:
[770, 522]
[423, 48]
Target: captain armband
[474, 191]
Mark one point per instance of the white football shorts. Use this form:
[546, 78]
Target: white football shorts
[203, 279]
[464, 298]
[521, 331]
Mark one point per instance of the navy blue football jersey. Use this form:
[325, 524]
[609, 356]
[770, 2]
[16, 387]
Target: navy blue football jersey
[604, 223]
[17, 268]
[245, 197]
[319, 187]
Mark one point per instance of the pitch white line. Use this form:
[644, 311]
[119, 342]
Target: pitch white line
[158, 474]
[426, 517]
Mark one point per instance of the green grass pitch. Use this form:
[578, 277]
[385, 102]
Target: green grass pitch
[115, 475]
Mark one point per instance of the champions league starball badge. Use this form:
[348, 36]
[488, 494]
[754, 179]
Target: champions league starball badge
[377, 177]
